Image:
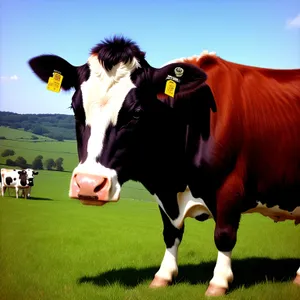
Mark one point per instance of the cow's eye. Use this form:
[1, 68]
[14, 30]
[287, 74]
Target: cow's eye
[137, 113]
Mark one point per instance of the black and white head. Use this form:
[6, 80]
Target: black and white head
[124, 129]
[31, 173]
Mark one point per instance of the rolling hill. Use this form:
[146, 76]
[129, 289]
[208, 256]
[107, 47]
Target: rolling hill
[22, 144]
[56, 126]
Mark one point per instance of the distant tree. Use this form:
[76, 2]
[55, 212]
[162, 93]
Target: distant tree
[37, 163]
[59, 163]
[2, 137]
[8, 152]
[56, 126]
[26, 125]
[15, 125]
[49, 163]
[56, 136]
[10, 162]
[59, 138]
[34, 137]
[38, 129]
[21, 162]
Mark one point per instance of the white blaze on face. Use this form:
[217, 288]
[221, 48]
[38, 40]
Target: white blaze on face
[103, 95]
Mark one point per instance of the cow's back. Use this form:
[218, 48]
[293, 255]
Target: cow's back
[257, 127]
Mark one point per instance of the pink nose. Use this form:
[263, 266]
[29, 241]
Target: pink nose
[88, 187]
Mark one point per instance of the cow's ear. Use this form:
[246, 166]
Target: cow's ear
[182, 81]
[35, 172]
[45, 65]
[183, 86]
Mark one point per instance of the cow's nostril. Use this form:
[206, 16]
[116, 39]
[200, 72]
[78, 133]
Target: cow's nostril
[100, 186]
[76, 181]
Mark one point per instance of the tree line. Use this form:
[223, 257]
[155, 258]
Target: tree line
[37, 163]
[56, 126]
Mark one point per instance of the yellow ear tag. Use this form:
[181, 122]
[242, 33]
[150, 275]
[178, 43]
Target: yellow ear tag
[170, 88]
[54, 83]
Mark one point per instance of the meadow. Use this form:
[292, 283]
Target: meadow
[53, 247]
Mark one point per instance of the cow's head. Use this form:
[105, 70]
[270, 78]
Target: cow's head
[123, 130]
[30, 174]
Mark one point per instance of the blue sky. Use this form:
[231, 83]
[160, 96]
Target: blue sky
[262, 33]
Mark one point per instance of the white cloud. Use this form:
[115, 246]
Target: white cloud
[13, 77]
[293, 23]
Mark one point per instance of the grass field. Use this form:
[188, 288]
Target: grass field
[21, 135]
[52, 247]
[19, 141]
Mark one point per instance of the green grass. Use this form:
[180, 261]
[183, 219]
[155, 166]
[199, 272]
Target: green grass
[67, 150]
[30, 150]
[21, 135]
[53, 247]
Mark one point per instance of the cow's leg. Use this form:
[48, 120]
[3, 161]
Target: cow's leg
[17, 192]
[168, 268]
[29, 192]
[3, 188]
[227, 219]
[297, 279]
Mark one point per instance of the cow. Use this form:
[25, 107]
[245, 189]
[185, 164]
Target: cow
[30, 176]
[16, 179]
[207, 137]
[16, 174]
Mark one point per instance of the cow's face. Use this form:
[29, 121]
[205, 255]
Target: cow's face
[119, 120]
[30, 176]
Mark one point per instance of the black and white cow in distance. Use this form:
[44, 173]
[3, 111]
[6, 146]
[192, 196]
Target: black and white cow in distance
[30, 176]
[16, 179]
[190, 158]
[20, 180]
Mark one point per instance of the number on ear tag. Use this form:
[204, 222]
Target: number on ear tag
[54, 83]
[170, 88]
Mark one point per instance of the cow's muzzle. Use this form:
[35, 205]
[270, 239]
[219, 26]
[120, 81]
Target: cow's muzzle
[91, 189]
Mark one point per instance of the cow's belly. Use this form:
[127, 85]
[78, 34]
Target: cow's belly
[188, 207]
[276, 213]
[191, 207]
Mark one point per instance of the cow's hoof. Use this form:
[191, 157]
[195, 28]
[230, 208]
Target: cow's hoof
[159, 282]
[297, 280]
[214, 291]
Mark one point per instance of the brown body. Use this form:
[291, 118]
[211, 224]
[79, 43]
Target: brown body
[257, 124]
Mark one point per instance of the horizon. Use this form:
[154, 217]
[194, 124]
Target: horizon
[258, 33]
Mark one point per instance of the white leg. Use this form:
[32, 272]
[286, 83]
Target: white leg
[29, 192]
[297, 279]
[222, 272]
[17, 192]
[2, 190]
[168, 268]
